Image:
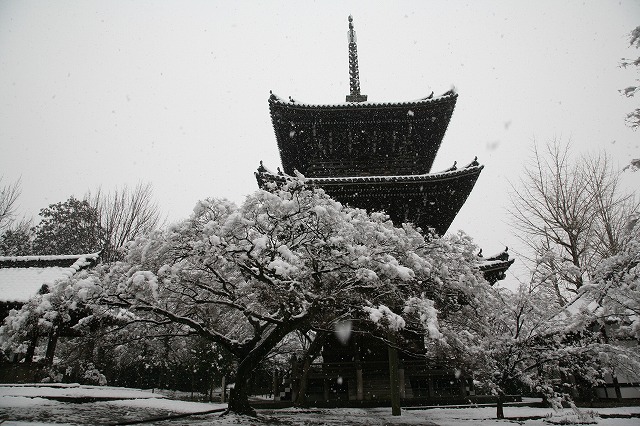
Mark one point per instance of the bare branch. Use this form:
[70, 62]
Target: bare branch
[9, 194]
[124, 215]
[573, 208]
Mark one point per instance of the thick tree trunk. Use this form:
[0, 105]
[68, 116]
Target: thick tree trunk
[31, 350]
[301, 395]
[239, 396]
[51, 346]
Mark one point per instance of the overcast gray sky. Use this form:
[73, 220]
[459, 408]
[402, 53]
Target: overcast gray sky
[175, 92]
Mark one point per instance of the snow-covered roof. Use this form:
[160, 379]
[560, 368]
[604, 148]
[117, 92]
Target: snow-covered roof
[398, 178]
[487, 265]
[45, 258]
[435, 198]
[21, 277]
[495, 267]
[580, 303]
[474, 166]
[429, 99]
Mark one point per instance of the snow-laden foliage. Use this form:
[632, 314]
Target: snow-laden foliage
[244, 277]
[16, 241]
[532, 348]
[283, 256]
[526, 341]
[61, 307]
[616, 289]
[611, 304]
[238, 283]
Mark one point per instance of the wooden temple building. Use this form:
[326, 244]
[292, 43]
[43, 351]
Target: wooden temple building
[376, 156]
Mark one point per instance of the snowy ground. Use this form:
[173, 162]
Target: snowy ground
[47, 404]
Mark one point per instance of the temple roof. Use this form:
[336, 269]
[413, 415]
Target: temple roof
[495, 267]
[360, 139]
[22, 277]
[428, 200]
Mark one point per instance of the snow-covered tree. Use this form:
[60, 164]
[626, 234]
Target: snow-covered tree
[523, 342]
[291, 259]
[529, 341]
[616, 288]
[609, 306]
[55, 310]
[611, 303]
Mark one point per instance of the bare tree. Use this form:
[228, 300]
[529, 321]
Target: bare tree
[551, 208]
[125, 214]
[9, 194]
[612, 207]
[574, 209]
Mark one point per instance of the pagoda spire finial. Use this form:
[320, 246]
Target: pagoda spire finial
[354, 75]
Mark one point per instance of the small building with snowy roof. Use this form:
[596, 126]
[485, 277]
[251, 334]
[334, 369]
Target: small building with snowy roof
[22, 277]
[620, 384]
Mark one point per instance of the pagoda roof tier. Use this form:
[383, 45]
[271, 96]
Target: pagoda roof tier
[495, 267]
[360, 138]
[428, 200]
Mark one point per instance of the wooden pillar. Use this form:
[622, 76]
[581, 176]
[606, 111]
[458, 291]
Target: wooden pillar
[359, 382]
[616, 386]
[432, 392]
[193, 378]
[274, 386]
[394, 380]
[359, 378]
[224, 389]
[294, 382]
[402, 383]
[325, 383]
[614, 378]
